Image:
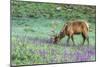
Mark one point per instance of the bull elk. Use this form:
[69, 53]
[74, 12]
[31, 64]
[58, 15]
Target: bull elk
[71, 28]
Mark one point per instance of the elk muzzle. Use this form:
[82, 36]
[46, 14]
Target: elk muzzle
[55, 40]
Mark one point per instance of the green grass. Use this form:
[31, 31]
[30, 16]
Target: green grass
[31, 26]
[25, 51]
[41, 28]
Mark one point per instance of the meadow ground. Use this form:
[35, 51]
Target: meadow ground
[31, 43]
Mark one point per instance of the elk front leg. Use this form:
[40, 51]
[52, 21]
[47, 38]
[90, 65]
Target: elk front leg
[68, 40]
[73, 40]
[83, 40]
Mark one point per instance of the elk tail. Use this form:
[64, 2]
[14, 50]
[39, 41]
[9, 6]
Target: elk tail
[86, 23]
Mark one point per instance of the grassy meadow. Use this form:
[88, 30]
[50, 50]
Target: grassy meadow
[31, 34]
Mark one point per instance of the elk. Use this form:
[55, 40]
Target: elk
[71, 28]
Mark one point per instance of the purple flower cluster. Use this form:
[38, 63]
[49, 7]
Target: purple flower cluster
[85, 55]
[43, 52]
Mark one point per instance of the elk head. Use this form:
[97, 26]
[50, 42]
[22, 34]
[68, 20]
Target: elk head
[57, 37]
[54, 36]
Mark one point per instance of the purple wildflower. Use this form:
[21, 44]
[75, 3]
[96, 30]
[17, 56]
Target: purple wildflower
[42, 52]
[81, 57]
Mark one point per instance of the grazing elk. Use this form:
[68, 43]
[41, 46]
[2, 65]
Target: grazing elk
[71, 28]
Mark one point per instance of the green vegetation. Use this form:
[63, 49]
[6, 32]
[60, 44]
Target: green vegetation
[31, 25]
[48, 10]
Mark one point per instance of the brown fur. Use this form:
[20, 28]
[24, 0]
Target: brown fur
[72, 28]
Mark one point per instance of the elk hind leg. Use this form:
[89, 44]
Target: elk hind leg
[88, 39]
[85, 35]
[84, 38]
